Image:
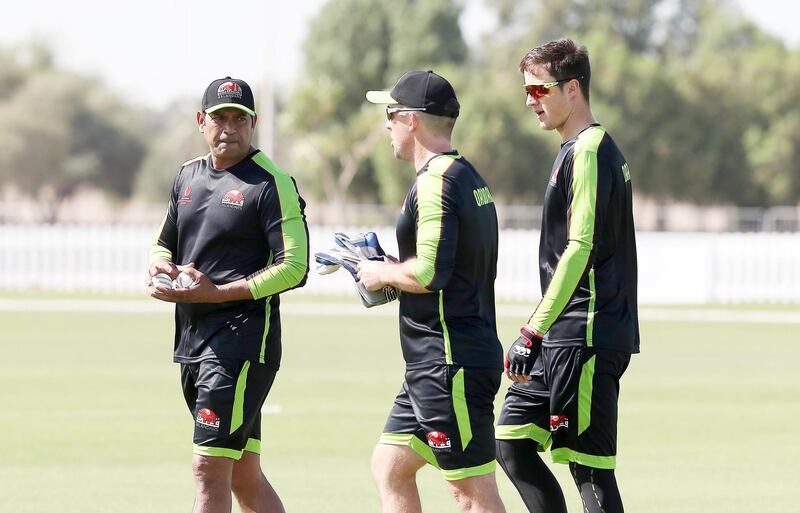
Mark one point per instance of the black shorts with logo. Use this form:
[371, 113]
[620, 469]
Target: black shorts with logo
[225, 397]
[571, 404]
[445, 413]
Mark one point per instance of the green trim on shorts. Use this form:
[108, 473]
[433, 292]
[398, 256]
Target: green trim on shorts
[253, 445]
[460, 407]
[410, 441]
[566, 455]
[523, 431]
[217, 452]
[238, 398]
[585, 387]
[463, 473]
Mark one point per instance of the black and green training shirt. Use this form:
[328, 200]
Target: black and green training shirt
[587, 251]
[449, 223]
[246, 221]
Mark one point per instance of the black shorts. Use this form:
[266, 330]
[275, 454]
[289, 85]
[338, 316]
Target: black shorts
[446, 414]
[571, 404]
[225, 397]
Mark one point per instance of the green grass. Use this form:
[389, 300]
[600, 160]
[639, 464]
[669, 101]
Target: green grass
[94, 420]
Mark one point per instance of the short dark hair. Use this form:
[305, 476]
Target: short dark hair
[441, 125]
[562, 58]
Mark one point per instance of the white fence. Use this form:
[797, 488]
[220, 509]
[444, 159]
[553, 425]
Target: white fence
[679, 268]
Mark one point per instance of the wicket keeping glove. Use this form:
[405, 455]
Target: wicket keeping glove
[523, 352]
[348, 252]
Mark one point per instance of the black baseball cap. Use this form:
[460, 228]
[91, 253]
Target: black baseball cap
[229, 92]
[421, 90]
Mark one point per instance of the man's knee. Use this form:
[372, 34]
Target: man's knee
[477, 493]
[394, 465]
[463, 498]
[598, 489]
[212, 471]
[247, 474]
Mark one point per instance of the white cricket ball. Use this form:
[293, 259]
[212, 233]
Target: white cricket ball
[183, 281]
[162, 279]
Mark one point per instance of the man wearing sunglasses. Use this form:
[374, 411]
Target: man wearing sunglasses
[447, 238]
[567, 363]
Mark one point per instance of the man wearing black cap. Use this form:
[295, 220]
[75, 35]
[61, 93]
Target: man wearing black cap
[447, 238]
[235, 228]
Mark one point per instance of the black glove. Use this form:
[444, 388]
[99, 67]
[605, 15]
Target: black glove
[523, 352]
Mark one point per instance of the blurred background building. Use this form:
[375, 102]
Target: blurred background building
[703, 97]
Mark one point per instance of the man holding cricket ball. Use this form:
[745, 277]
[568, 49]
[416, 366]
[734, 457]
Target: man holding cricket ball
[234, 237]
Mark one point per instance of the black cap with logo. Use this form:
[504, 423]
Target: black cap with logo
[421, 90]
[229, 92]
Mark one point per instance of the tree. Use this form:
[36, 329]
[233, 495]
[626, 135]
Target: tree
[174, 140]
[356, 45]
[667, 81]
[62, 131]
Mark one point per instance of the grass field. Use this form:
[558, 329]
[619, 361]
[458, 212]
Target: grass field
[93, 419]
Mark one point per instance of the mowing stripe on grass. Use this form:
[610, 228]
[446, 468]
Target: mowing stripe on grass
[338, 309]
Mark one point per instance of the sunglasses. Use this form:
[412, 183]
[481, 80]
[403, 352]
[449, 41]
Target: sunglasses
[390, 111]
[540, 90]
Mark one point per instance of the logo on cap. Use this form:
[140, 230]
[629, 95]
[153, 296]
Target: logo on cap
[229, 90]
[233, 199]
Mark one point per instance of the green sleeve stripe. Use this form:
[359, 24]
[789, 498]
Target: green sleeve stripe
[290, 271]
[584, 185]
[572, 264]
[429, 223]
[217, 451]
[410, 441]
[460, 407]
[238, 398]
[463, 473]
[565, 455]
[448, 352]
[585, 386]
[523, 432]
[158, 252]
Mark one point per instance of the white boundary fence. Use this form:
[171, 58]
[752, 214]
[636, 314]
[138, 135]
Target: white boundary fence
[674, 268]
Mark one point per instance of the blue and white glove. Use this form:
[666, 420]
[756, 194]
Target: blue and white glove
[348, 252]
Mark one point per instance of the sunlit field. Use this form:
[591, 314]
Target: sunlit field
[94, 420]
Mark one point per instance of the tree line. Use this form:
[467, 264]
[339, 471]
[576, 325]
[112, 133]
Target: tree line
[704, 104]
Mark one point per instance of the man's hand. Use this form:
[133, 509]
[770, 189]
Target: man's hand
[203, 290]
[162, 266]
[370, 274]
[522, 355]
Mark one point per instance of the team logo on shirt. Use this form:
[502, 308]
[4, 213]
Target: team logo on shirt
[558, 422]
[229, 90]
[207, 419]
[233, 199]
[186, 198]
[438, 440]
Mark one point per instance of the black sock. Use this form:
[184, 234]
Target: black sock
[598, 489]
[538, 486]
